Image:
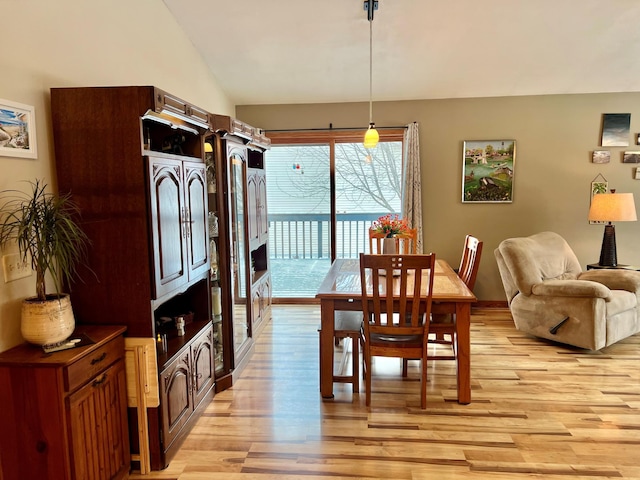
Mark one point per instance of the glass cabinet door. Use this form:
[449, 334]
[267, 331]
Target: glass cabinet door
[237, 181]
[221, 365]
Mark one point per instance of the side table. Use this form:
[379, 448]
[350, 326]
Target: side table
[64, 414]
[595, 266]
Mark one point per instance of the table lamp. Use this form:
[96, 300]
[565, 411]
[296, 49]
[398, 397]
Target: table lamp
[611, 207]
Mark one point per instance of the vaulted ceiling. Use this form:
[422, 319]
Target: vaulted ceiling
[317, 51]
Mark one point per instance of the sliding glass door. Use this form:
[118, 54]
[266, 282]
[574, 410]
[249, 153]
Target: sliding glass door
[322, 196]
[299, 206]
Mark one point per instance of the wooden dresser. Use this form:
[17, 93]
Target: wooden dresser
[64, 414]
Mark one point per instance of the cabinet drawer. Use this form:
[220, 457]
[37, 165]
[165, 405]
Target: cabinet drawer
[80, 372]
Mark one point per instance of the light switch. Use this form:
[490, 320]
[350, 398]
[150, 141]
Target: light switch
[14, 268]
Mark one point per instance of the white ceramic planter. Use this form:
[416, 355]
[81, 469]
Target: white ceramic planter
[49, 321]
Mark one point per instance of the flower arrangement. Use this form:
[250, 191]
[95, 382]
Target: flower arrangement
[390, 225]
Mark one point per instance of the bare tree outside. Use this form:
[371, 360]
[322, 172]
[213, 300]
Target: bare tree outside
[367, 182]
[368, 177]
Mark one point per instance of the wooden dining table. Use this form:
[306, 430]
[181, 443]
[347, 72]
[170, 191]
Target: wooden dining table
[341, 290]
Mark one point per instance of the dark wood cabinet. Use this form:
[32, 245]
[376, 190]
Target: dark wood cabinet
[175, 396]
[146, 169]
[64, 414]
[178, 212]
[202, 366]
[184, 383]
[133, 160]
[261, 300]
[257, 206]
[245, 270]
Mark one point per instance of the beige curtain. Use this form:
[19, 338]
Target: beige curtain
[411, 191]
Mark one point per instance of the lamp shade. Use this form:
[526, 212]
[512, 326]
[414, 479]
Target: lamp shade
[613, 207]
[371, 137]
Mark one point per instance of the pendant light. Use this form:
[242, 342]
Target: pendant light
[371, 136]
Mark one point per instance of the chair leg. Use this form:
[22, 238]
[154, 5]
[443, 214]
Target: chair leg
[405, 367]
[423, 384]
[355, 362]
[367, 378]
[454, 344]
[320, 352]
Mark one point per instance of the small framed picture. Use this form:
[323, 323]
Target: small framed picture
[17, 130]
[487, 171]
[596, 188]
[637, 173]
[637, 138]
[601, 156]
[615, 129]
[631, 157]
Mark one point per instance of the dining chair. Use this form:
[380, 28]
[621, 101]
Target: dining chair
[406, 243]
[444, 323]
[396, 301]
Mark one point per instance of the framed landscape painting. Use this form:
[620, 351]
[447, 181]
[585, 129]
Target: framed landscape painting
[17, 130]
[487, 168]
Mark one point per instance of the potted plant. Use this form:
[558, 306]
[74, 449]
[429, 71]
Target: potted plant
[47, 235]
[390, 226]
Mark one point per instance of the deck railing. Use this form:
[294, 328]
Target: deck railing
[306, 236]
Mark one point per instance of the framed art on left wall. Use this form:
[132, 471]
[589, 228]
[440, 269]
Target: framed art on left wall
[17, 130]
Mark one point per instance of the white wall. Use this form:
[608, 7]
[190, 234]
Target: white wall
[86, 43]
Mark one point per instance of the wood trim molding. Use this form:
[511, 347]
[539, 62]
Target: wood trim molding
[326, 136]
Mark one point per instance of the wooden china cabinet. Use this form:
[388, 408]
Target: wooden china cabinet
[238, 150]
[133, 160]
[173, 199]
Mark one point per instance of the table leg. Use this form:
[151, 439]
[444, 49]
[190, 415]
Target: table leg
[463, 326]
[327, 312]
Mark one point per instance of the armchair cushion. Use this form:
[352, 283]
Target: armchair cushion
[571, 288]
[614, 279]
[550, 297]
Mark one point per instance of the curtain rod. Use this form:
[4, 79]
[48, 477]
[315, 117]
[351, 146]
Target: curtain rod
[331, 129]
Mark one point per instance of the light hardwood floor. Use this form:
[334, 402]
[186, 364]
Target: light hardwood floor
[538, 410]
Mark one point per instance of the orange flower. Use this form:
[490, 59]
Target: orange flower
[390, 225]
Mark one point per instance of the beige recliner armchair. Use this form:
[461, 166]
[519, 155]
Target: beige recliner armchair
[551, 297]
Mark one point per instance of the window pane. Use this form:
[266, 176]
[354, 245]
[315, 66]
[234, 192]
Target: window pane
[368, 185]
[299, 206]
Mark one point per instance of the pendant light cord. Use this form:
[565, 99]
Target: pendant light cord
[371, 70]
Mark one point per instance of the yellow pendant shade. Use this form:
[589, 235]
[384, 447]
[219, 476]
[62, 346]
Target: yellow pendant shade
[371, 137]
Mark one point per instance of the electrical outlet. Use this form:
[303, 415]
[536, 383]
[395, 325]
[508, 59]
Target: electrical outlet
[14, 268]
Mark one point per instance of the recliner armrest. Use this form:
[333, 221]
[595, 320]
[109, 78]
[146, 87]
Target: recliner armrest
[571, 288]
[628, 280]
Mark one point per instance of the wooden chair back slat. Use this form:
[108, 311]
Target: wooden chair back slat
[470, 261]
[406, 243]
